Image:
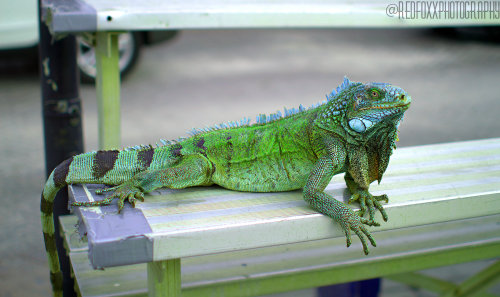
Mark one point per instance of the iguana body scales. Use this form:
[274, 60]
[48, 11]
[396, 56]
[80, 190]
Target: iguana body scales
[354, 131]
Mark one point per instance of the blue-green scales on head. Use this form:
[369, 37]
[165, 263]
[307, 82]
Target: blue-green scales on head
[352, 132]
[364, 106]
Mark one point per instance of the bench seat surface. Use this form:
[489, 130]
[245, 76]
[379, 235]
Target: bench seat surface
[300, 265]
[426, 184]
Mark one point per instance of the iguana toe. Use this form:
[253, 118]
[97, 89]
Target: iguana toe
[352, 221]
[370, 203]
[121, 192]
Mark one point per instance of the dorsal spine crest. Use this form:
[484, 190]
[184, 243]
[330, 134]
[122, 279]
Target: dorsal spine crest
[264, 119]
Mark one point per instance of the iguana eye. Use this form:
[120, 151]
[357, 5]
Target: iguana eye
[375, 94]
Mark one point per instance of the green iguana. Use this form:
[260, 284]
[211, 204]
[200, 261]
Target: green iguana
[353, 131]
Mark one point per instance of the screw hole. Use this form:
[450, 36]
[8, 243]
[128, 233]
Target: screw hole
[109, 18]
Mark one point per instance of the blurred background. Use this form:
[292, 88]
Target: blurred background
[200, 78]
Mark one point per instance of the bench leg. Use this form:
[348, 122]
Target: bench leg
[474, 286]
[164, 278]
[477, 283]
[108, 90]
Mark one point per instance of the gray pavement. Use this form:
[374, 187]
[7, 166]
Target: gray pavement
[206, 77]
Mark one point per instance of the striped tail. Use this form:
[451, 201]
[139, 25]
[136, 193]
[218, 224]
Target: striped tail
[111, 167]
[53, 185]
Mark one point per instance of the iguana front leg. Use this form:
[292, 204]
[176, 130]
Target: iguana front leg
[193, 170]
[314, 194]
[358, 178]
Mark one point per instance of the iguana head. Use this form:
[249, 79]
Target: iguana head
[359, 107]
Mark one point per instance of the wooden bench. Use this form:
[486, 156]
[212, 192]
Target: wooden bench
[444, 209]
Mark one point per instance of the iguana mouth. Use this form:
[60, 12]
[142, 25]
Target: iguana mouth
[385, 106]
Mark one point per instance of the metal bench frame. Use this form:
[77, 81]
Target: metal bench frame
[104, 19]
[234, 280]
[444, 209]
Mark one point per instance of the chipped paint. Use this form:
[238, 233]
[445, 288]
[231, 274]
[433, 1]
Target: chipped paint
[46, 66]
[52, 84]
[62, 106]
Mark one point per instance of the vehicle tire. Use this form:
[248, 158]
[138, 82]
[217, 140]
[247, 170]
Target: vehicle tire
[129, 44]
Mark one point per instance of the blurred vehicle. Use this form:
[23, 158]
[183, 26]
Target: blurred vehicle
[476, 33]
[129, 46]
[19, 32]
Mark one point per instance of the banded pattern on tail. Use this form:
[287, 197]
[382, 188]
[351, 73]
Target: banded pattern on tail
[105, 167]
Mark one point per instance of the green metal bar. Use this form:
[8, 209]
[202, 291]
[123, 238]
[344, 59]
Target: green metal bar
[429, 283]
[477, 283]
[108, 90]
[271, 284]
[419, 280]
[164, 278]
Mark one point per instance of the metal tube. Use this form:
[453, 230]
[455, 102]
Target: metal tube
[62, 122]
[108, 90]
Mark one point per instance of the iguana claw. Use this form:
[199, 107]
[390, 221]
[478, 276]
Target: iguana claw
[370, 202]
[352, 221]
[122, 192]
